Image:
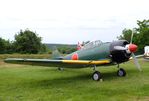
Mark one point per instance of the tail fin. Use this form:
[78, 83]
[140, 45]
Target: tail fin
[56, 54]
[79, 46]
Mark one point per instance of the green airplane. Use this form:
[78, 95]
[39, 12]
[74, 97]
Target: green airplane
[91, 54]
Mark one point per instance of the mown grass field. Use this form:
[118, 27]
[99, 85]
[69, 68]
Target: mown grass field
[37, 83]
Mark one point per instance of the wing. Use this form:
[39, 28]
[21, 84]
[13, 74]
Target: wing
[57, 63]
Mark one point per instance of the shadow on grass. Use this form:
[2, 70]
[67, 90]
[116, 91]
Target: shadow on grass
[65, 81]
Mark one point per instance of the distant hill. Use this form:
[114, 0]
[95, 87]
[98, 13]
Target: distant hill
[60, 45]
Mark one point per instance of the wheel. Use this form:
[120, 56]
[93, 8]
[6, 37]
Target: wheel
[60, 68]
[121, 72]
[96, 76]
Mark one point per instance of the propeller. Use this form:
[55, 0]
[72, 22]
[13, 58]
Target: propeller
[133, 49]
[131, 36]
[130, 48]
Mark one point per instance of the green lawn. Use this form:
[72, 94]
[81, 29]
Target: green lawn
[37, 83]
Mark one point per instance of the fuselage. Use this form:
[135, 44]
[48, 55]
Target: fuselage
[93, 53]
[101, 51]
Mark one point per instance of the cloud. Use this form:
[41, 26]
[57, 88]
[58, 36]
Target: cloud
[66, 21]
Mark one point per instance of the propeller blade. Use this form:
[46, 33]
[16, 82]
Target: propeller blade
[132, 36]
[136, 62]
[120, 48]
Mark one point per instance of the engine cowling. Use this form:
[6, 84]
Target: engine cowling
[119, 56]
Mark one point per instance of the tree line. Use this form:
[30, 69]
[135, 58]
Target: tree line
[25, 42]
[141, 35]
[28, 42]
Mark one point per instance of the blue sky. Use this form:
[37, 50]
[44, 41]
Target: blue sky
[70, 21]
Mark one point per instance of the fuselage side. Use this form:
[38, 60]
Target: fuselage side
[101, 51]
[97, 52]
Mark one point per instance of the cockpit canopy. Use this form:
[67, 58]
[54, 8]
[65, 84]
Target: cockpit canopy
[92, 44]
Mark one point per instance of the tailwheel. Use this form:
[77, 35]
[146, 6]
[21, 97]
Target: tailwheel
[60, 68]
[121, 72]
[96, 76]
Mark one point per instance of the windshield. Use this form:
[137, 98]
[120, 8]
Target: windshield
[92, 44]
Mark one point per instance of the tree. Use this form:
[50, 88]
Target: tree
[66, 49]
[5, 46]
[27, 42]
[143, 25]
[141, 37]
[43, 48]
[2, 45]
[126, 35]
[143, 34]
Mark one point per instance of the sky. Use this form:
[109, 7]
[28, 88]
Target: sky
[71, 21]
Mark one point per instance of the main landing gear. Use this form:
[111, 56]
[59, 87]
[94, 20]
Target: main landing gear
[121, 72]
[97, 75]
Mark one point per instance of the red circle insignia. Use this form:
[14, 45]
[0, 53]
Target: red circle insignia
[75, 56]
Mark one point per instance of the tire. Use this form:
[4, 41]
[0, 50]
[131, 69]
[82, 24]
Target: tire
[96, 76]
[60, 68]
[121, 72]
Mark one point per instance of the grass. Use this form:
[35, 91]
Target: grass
[37, 83]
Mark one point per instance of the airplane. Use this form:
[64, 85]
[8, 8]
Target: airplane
[92, 54]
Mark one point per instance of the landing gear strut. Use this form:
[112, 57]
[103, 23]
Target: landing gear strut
[121, 72]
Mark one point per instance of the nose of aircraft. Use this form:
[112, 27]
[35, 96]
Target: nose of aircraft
[133, 48]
